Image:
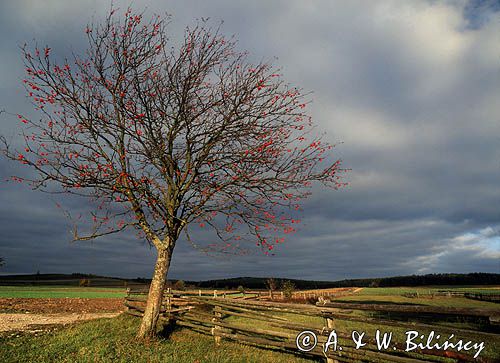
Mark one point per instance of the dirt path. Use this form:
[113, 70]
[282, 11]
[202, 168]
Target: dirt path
[32, 315]
[60, 305]
[36, 322]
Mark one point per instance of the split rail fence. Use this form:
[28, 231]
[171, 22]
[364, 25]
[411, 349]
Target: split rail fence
[275, 325]
[471, 295]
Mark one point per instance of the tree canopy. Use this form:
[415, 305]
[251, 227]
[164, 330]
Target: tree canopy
[159, 137]
[162, 138]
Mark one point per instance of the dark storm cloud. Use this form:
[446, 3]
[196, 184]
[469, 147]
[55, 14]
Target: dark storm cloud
[412, 90]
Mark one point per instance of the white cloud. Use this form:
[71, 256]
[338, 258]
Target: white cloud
[482, 244]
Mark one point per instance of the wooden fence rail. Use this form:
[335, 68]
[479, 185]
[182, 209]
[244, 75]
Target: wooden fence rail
[491, 297]
[224, 318]
[413, 309]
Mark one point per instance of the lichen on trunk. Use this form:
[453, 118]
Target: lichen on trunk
[155, 295]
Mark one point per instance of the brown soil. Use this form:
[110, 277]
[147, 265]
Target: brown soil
[34, 323]
[41, 315]
[57, 305]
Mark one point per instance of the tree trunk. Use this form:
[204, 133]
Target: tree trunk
[155, 296]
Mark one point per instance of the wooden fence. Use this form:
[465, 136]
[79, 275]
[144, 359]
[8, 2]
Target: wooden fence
[491, 297]
[309, 294]
[224, 318]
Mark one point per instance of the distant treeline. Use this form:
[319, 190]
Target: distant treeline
[39, 276]
[477, 278]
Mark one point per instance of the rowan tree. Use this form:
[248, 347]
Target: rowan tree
[164, 139]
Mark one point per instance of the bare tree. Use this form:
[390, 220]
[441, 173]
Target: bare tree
[160, 138]
[271, 285]
[180, 285]
[288, 288]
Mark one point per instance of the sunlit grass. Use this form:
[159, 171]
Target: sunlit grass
[112, 340]
[425, 296]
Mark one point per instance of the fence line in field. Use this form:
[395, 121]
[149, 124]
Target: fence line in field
[208, 313]
[491, 297]
[266, 294]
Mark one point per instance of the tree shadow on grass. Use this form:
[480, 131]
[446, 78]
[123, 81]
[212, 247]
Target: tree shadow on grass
[167, 329]
[170, 328]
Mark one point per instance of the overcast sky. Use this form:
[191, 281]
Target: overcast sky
[411, 88]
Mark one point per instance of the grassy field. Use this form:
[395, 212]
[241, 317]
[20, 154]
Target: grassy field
[46, 292]
[444, 326]
[425, 290]
[394, 295]
[112, 340]
[345, 328]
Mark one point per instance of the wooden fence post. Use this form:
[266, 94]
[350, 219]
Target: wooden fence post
[168, 304]
[126, 298]
[217, 317]
[330, 325]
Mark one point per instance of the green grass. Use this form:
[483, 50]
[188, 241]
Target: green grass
[427, 290]
[346, 327]
[383, 295]
[112, 340]
[60, 292]
[443, 326]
